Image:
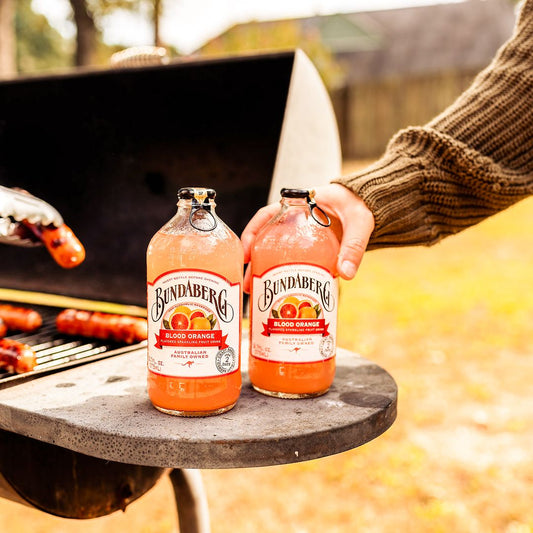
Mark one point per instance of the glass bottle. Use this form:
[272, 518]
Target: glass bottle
[293, 300]
[194, 275]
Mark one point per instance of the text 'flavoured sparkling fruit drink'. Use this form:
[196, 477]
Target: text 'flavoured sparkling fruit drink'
[293, 300]
[194, 274]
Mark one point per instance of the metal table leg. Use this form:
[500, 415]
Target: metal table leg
[191, 501]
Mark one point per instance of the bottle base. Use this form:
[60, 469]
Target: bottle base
[290, 395]
[193, 414]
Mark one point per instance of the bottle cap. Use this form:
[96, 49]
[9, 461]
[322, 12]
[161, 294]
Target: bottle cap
[200, 193]
[295, 193]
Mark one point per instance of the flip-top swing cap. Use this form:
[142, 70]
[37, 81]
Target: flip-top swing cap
[188, 193]
[294, 193]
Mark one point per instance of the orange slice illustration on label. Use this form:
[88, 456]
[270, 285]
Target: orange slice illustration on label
[291, 300]
[179, 321]
[197, 313]
[307, 312]
[200, 322]
[288, 310]
[182, 309]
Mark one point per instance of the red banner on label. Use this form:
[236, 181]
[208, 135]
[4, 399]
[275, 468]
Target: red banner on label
[200, 338]
[280, 326]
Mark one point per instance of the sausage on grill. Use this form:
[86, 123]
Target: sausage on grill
[3, 328]
[121, 328]
[20, 318]
[16, 356]
[64, 247]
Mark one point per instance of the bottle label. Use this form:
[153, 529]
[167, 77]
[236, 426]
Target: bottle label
[193, 324]
[294, 314]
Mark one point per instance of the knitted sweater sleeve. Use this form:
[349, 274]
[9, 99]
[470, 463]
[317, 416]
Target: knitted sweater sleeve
[473, 160]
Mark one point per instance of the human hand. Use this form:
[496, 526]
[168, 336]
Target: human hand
[17, 206]
[351, 220]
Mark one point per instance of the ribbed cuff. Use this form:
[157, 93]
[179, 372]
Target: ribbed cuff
[391, 188]
[428, 186]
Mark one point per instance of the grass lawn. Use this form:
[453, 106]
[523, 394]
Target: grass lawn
[453, 325]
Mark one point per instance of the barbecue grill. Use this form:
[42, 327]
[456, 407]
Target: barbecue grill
[109, 149]
[56, 351]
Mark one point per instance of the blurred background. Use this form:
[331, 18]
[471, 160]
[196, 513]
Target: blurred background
[451, 323]
[386, 63]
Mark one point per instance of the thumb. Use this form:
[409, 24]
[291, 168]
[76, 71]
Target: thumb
[357, 228]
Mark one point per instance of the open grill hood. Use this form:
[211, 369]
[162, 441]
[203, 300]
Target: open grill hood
[110, 149]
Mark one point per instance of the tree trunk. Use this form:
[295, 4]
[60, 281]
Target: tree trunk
[8, 64]
[86, 33]
[156, 17]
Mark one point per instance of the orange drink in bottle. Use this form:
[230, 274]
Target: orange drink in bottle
[293, 300]
[194, 290]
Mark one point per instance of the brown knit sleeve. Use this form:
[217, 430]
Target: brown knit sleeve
[473, 160]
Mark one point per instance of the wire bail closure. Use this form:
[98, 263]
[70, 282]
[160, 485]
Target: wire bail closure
[312, 206]
[200, 201]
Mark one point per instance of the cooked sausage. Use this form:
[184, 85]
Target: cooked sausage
[3, 328]
[121, 328]
[20, 318]
[16, 356]
[64, 247]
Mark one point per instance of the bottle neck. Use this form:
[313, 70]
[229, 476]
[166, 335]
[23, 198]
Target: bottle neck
[307, 206]
[200, 216]
[189, 204]
[294, 202]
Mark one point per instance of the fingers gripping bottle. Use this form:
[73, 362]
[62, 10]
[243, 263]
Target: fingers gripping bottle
[194, 274]
[293, 301]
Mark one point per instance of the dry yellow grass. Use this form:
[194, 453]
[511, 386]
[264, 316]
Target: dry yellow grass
[453, 325]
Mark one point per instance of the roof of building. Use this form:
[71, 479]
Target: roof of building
[440, 37]
[414, 40]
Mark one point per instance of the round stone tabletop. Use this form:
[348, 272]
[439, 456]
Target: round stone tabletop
[102, 409]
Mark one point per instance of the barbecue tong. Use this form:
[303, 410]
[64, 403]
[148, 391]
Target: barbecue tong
[17, 205]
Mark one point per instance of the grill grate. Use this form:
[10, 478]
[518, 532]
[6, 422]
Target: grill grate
[55, 351]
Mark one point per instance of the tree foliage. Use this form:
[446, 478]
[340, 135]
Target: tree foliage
[39, 46]
[275, 36]
[104, 7]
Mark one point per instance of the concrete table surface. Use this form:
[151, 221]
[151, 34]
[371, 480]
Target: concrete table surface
[102, 409]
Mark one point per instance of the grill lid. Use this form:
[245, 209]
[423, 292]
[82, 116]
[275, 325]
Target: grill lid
[113, 171]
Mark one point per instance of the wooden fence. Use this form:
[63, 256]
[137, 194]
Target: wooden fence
[369, 113]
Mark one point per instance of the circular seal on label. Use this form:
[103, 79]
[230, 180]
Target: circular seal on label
[327, 347]
[225, 360]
